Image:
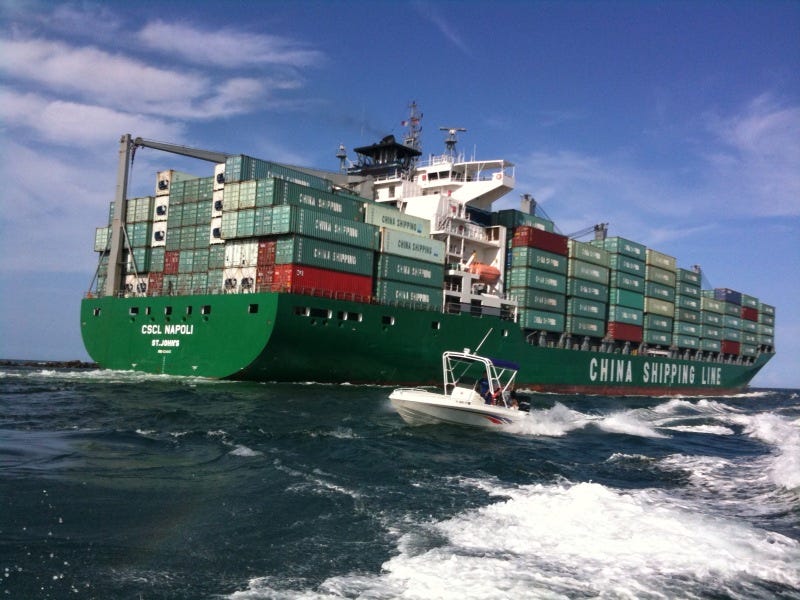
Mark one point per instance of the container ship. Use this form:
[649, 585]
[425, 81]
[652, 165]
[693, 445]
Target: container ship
[262, 271]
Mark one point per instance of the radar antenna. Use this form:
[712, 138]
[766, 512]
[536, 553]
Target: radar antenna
[451, 140]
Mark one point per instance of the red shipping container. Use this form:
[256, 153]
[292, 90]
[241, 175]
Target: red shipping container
[534, 237]
[265, 275]
[751, 314]
[729, 347]
[266, 252]
[172, 259]
[155, 284]
[313, 281]
[625, 332]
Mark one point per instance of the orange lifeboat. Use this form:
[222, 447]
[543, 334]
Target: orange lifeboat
[486, 273]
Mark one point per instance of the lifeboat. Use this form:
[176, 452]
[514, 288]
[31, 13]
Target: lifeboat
[486, 273]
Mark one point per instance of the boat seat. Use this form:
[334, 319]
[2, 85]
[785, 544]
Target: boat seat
[468, 395]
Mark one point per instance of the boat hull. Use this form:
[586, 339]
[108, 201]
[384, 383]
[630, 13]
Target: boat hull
[418, 407]
[292, 337]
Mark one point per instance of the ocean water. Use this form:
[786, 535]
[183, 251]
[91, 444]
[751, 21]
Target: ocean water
[121, 485]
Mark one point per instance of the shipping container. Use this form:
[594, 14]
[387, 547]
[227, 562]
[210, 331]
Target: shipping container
[687, 302]
[625, 332]
[382, 215]
[627, 281]
[732, 322]
[587, 253]
[525, 256]
[266, 252]
[587, 289]
[661, 276]
[712, 305]
[579, 269]
[242, 168]
[407, 294]
[408, 270]
[660, 260]
[102, 239]
[582, 307]
[326, 255]
[156, 259]
[686, 341]
[687, 316]
[618, 245]
[315, 281]
[155, 284]
[659, 307]
[511, 219]
[166, 179]
[626, 298]
[750, 301]
[690, 277]
[688, 289]
[624, 314]
[626, 264]
[728, 295]
[171, 262]
[412, 246]
[733, 335]
[751, 326]
[684, 328]
[657, 322]
[710, 332]
[540, 320]
[749, 313]
[585, 326]
[660, 291]
[710, 345]
[539, 238]
[657, 337]
[731, 347]
[524, 277]
[539, 299]
[766, 309]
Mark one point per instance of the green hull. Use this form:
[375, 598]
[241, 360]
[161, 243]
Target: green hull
[288, 337]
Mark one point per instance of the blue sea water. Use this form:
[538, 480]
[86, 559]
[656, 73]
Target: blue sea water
[123, 485]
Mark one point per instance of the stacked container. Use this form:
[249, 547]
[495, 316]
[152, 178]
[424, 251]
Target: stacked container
[688, 317]
[750, 329]
[766, 327]
[731, 320]
[626, 291]
[659, 300]
[712, 313]
[537, 278]
[587, 290]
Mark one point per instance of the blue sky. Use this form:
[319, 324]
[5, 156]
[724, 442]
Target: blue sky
[678, 123]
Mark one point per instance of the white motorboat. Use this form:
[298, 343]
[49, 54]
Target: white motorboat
[478, 391]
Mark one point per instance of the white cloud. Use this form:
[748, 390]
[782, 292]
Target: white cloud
[227, 47]
[430, 12]
[118, 82]
[75, 125]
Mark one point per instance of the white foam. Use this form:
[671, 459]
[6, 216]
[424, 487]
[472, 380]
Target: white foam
[784, 435]
[709, 429]
[553, 422]
[561, 541]
[240, 450]
[629, 423]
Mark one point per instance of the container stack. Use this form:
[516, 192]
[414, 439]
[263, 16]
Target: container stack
[750, 329]
[537, 278]
[731, 320]
[659, 299]
[626, 291]
[587, 290]
[712, 313]
[688, 319]
[766, 327]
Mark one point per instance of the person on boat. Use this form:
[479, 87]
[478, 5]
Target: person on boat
[484, 391]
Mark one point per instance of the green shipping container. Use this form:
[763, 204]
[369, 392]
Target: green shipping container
[618, 245]
[541, 320]
[525, 277]
[539, 299]
[626, 264]
[624, 314]
[687, 316]
[417, 247]
[627, 298]
[582, 307]
[749, 350]
[512, 218]
[408, 270]
[626, 281]
[405, 294]
[657, 337]
[326, 255]
[710, 332]
[709, 345]
[584, 326]
[684, 328]
[325, 226]
[710, 318]
[688, 289]
[382, 215]
[660, 291]
[687, 302]
[586, 289]
[157, 259]
[579, 269]
[657, 322]
[730, 322]
[766, 309]
[534, 258]
[750, 301]
[690, 277]
[733, 335]
[686, 341]
[586, 252]
[102, 239]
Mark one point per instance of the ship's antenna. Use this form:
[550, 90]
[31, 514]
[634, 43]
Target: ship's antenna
[413, 127]
[450, 140]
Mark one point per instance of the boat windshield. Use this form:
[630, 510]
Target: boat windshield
[492, 378]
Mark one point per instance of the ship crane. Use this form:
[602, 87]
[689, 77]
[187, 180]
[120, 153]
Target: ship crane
[127, 149]
[599, 231]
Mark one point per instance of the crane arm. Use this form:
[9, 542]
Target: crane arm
[209, 155]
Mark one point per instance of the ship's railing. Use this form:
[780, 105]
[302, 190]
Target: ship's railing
[446, 224]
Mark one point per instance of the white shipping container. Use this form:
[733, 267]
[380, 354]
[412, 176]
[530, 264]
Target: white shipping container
[217, 203]
[391, 218]
[412, 246]
[165, 179]
[219, 177]
[241, 253]
[159, 238]
[161, 208]
[237, 280]
[215, 231]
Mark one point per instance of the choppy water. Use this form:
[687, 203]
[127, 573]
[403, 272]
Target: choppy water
[120, 485]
